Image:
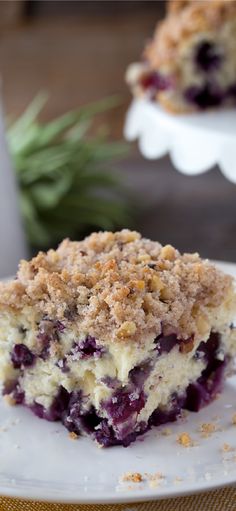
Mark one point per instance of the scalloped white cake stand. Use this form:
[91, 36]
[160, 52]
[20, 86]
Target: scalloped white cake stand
[195, 142]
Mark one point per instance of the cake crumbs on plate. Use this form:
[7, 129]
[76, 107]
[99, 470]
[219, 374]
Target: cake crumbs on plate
[227, 448]
[184, 414]
[185, 440]
[9, 400]
[207, 428]
[166, 432]
[73, 435]
[153, 480]
[177, 480]
[134, 477]
[234, 419]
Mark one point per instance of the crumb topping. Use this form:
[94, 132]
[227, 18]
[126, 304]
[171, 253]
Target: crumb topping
[119, 286]
[186, 18]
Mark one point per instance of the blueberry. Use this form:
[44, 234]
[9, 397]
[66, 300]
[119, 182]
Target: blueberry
[21, 356]
[204, 96]
[207, 56]
[57, 409]
[165, 343]
[162, 416]
[123, 404]
[87, 348]
[140, 373]
[155, 81]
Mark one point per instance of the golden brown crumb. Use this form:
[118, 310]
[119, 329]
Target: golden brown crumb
[134, 477]
[227, 448]
[207, 428]
[73, 435]
[124, 281]
[185, 440]
[234, 419]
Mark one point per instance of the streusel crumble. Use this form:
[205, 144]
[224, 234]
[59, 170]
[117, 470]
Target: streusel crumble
[115, 334]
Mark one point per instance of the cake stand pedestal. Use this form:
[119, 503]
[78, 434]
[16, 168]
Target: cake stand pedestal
[196, 142]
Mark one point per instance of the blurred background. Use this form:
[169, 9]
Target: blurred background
[78, 52]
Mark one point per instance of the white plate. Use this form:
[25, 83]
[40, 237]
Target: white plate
[39, 461]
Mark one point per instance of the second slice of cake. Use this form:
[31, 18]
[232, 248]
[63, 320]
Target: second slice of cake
[115, 334]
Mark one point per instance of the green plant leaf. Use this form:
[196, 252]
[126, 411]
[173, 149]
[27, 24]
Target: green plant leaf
[64, 174]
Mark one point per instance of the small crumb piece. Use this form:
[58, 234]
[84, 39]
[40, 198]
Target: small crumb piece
[73, 435]
[154, 480]
[185, 440]
[178, 480]
[168, 252]
[9, 400]
[156, 476]
[134, 477]
[227, 448]
[207, 428]
[166, 432]
[234, 419]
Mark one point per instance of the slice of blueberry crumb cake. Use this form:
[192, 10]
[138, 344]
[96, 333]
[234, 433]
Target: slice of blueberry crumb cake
[190, 63]
[115, 334]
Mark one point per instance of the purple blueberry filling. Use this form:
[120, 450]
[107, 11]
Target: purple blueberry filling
[207, 57]
[210, 382]
[232, 91]
[162, 416]
[121, 427]
[22, 357]
[57, 408]
[139, 374]
[165, 343]
[87, 348]
[155, 81]
[204, 96]
[124, 404]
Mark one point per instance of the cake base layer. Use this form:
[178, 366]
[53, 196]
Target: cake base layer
[126, 403]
